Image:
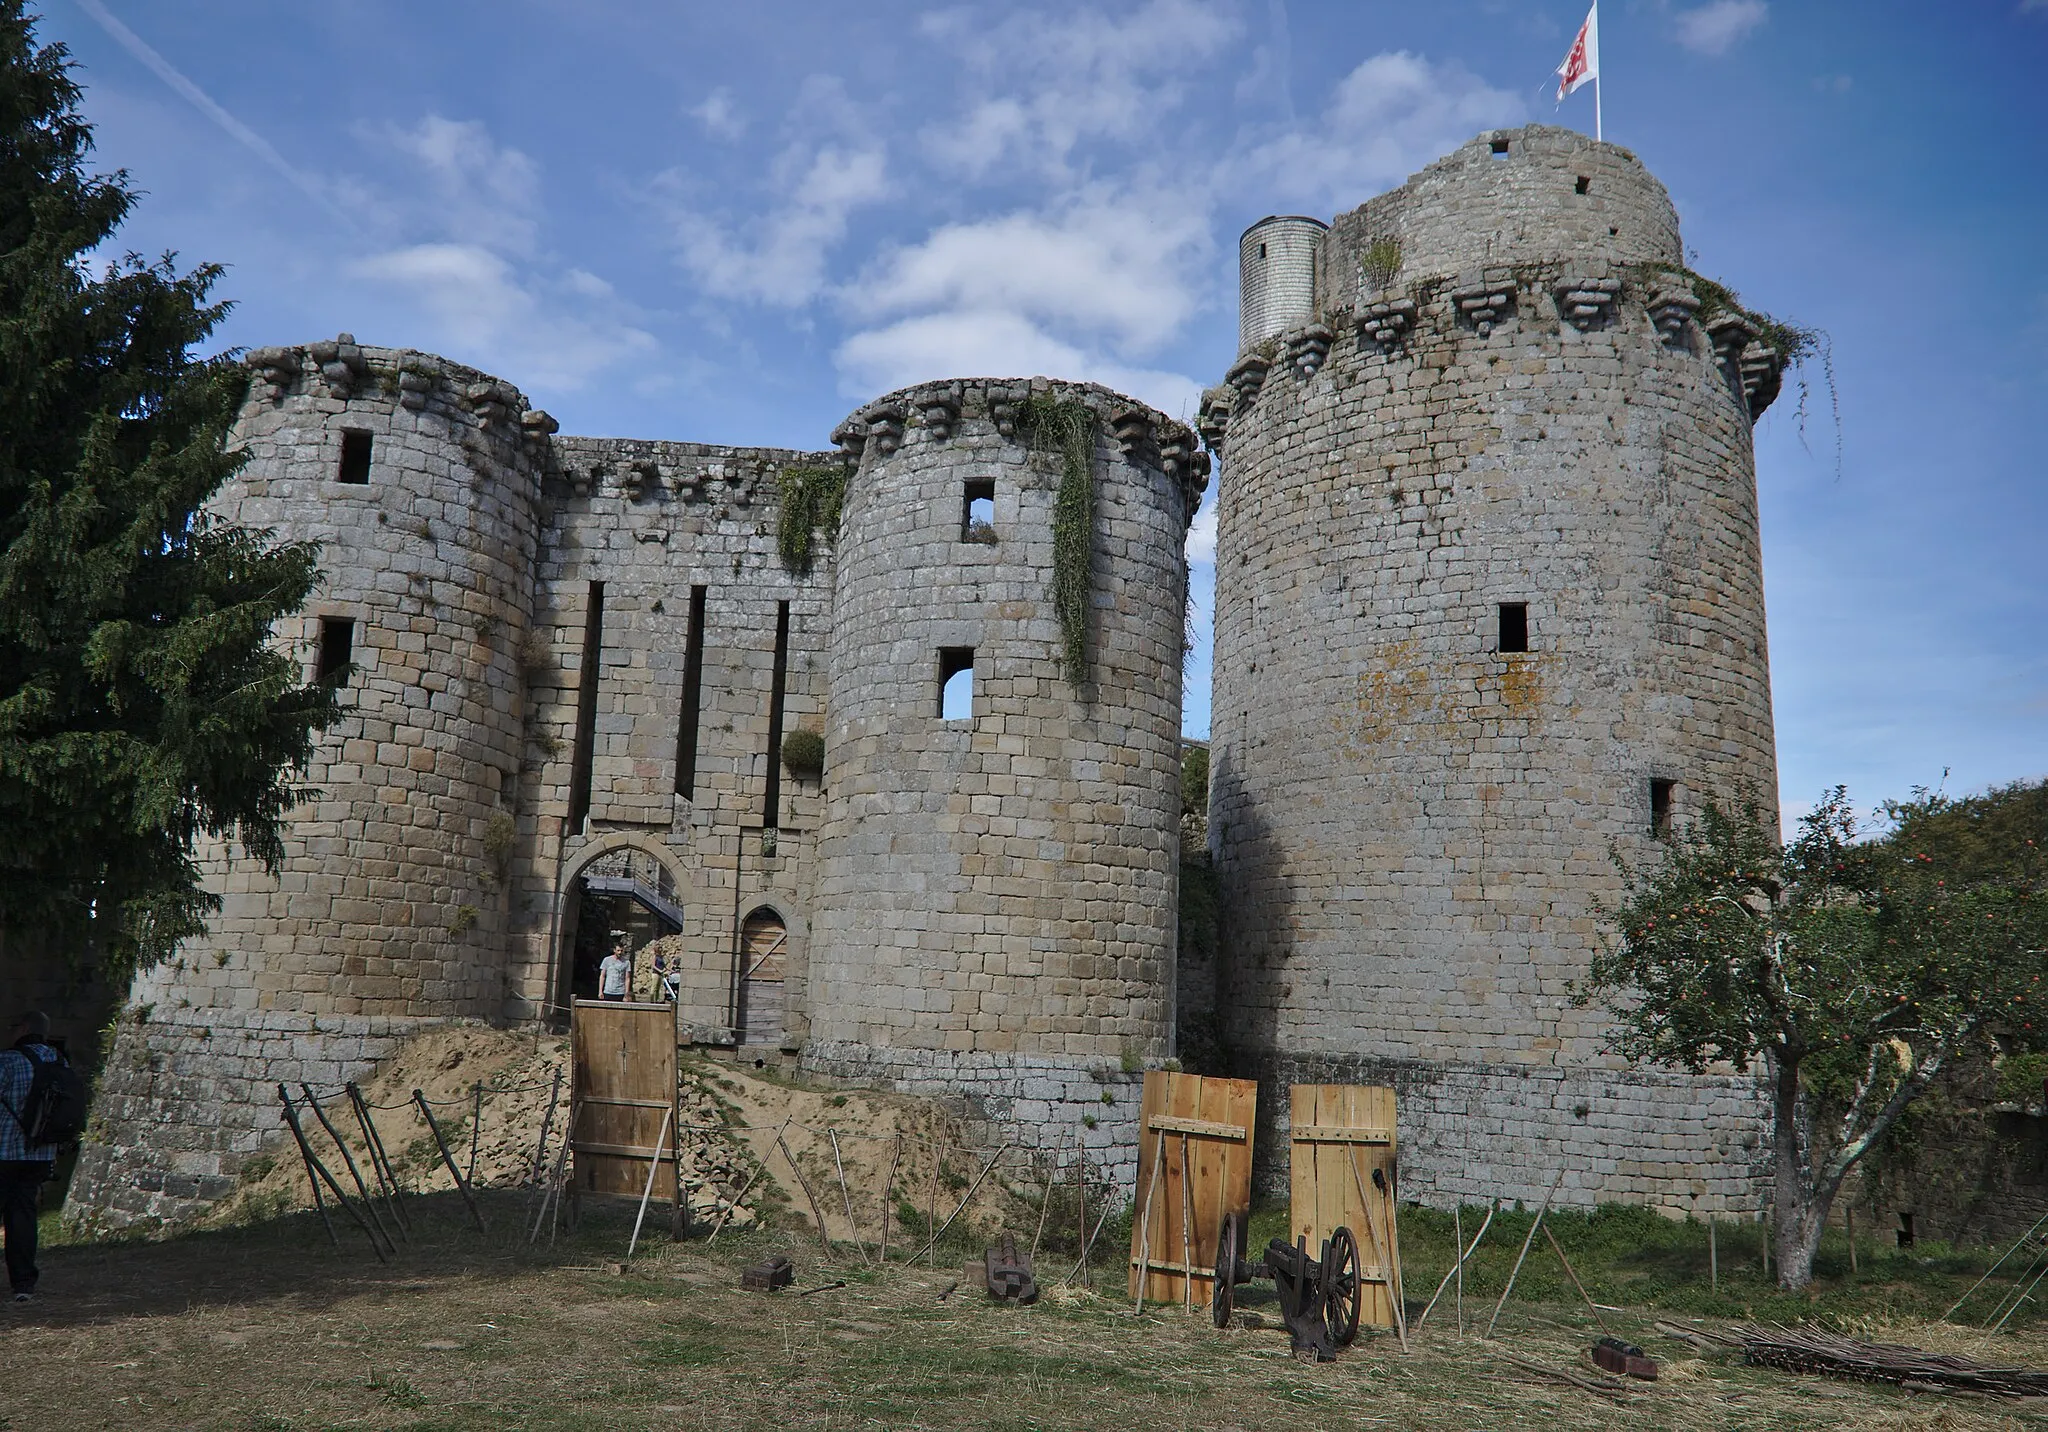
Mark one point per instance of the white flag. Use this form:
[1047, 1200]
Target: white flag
[1583, 63]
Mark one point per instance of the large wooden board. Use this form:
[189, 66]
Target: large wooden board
[1196, 1132]
[1341, 1135]
[622, 1088]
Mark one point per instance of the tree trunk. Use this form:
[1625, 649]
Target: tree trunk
[1799, 1210]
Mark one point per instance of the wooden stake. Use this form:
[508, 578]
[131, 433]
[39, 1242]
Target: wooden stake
[1763, 1223]
[818, 1213]
[380, 1162]
[1517, 1271]
[1849, 1225]
[315, 1166]
[967, 1197]
[888, 1192]
[1044, 1207]
[1558, 1249]
[846, 1199]
[420, 1097]
[476, 1127]
[931, 1208]
[551, 1193]
[1458, 1235]
[1087, 1246]
[1187, 1236]
[1081, 1198]
[348, 1162]
[1459, 1268]
[1371, 1231]
[547, 1124]
[734, 1202]
[1713, 1257]
[653, 1170]
[1145, 1224]
[291, 1120]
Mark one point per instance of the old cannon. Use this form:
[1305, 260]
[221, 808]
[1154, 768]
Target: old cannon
[1319, 1296]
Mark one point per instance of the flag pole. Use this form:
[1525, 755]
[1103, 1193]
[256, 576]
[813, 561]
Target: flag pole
[1598, 132]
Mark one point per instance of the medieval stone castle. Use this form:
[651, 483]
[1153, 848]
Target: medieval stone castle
[1489, 603]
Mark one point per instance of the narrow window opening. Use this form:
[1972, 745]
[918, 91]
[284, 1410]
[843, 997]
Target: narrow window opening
[956, 683]
[693, 699]
[1262, 250]
[1584, 186]
[586, 709]
[1500, 149]
[1661, 793]
[978, 512]
[337, 650]
[771, 804]
[355, 456]
[1514, 626]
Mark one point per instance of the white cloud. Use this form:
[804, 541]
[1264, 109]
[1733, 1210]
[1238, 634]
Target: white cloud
[1044, 82]
[1713, 28]
[1201, 543]
[1390, 116]
[476, 191]
[478, 308]
[717, 115]
[1121, 266]
[995, 344]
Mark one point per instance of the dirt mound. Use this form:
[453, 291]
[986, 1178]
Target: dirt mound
[491, 1092]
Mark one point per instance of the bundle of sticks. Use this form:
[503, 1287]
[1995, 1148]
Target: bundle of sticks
[1832, 1355]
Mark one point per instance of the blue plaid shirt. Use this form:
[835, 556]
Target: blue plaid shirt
[15, 1078]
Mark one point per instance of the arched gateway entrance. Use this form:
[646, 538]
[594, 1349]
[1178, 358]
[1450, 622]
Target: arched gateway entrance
[764, 966]
[623, 890]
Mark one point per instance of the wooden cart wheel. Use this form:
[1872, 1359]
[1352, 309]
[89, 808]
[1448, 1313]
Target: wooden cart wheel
[1343, 1287]
[1223, 1293]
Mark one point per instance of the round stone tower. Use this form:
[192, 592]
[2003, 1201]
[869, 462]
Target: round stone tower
[998, 863]
[418, 479]
[1276, 276]
[1489, 604]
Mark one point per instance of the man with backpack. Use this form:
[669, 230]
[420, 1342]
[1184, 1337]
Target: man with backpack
[41, 1103]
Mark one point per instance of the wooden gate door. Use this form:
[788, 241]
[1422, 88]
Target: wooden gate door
[623, 1098]
[1341, 1173]
[765, 967]
[1194, 1169]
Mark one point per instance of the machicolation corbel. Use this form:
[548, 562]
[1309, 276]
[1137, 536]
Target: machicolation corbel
[276, 370]
[415, 387]
[1212, 420]
[341, 363]
[1388, 323]
[1672, 310]
[1762, 368]
[1248, 375]
[1133, 429]
[885, 426]
[1002, 410]
[1731, 334]
[1307, 348]
[941, 410]
[1587, 303]
[1484, 304]
[536, 427]
[851, 436]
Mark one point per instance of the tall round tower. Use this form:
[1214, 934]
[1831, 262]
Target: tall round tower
[997, 868]
[1276, 276]
[418, 478]
[1489, 604]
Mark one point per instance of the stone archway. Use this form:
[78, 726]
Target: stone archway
[764, 973]
[616, 886]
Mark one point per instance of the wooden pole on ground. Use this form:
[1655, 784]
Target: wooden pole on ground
[818, 1213]
[547, 1124]
[291, 1120]
[1388, 1255]
[734, 1202]
[420, 1098]
[846, 1199]
[1081, 1198]
[653, 1171]
[931, 1207]
[1517, 1272]
[476, 1128]
[1088, 1245]
[1187, 1234]
[334, 1187]
[1044, 1207]
[1849, 1226]
[1145, 1223]
[551, 1191]
[1713, 1257]
[889, 1192]
[348, 1162]
[380, 1162]
[1458, 1269]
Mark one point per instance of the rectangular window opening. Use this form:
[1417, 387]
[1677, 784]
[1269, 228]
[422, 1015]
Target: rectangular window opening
[337, 650]
[693, 699]
[1584, 186]
[956, 683]
[586, 709]
[771, 803]
[978, 511]
[1514, 626]
[1262, 250]
[355, 456]
[1662, 793]
[1500, 149]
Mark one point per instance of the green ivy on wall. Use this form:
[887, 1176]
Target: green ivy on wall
[1066, 429]
[811, 498]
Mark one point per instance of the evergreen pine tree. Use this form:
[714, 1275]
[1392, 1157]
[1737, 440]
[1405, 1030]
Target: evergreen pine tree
[142, 705]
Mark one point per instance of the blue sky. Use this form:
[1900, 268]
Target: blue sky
[733, 223]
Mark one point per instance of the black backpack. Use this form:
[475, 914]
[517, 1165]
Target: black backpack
[56, 1107]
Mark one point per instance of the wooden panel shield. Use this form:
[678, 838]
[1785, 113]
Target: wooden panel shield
[623, 1094]
[1194, 1167]
[1341, 1174]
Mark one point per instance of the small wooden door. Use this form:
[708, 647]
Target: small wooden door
[764, 965]
[1194, 1168]
[1341, 1174]
[623, 1096]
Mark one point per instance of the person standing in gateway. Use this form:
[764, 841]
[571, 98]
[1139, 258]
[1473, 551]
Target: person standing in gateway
[24, 1167]
[615, 973]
